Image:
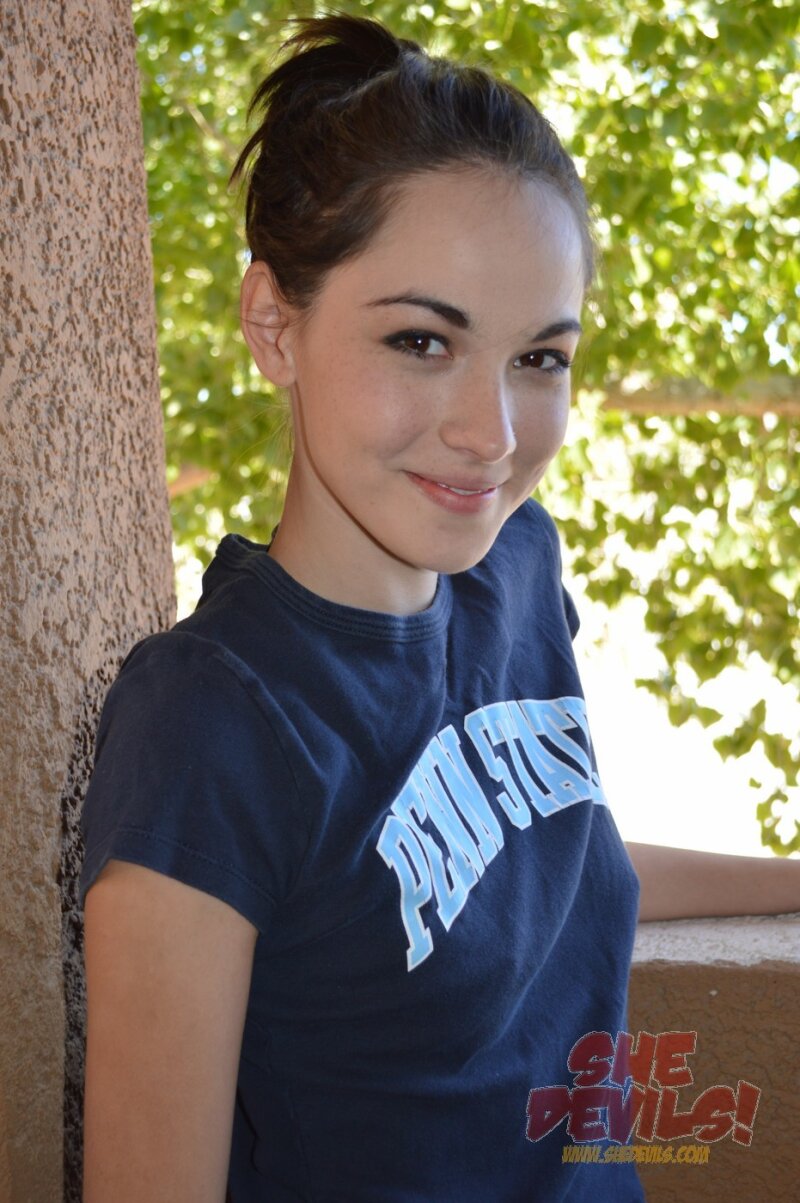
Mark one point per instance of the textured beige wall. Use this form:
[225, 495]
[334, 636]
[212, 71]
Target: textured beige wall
[736, 982]
[84, 523]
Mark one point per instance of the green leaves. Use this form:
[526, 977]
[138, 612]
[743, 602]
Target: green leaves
[709, 509]
[646, 40]
[770, 837]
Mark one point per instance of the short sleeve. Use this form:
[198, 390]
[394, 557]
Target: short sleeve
[189, 778]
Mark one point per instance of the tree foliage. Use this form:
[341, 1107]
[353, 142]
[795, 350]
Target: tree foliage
[684, 117]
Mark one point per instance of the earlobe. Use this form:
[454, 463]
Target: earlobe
[264, 320]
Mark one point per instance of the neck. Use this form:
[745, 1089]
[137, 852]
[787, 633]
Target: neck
[327, 552]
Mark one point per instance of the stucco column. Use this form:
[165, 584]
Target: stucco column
[84, 523]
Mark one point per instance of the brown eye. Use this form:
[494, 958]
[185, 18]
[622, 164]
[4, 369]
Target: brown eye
[559, 361]
[405, 339]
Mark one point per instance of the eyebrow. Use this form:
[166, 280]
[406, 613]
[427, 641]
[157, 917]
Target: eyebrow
[460, 319]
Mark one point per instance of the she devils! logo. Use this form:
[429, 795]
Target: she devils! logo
[620, 1090]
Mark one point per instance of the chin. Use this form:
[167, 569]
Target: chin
[454, 559]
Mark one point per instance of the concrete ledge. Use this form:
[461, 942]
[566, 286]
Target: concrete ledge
[743, 940]
[736, 983]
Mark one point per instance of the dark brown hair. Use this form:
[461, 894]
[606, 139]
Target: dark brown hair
[349, 117]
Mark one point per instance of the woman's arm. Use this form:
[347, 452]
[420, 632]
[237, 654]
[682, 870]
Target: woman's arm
[168, 971]
[678, 883]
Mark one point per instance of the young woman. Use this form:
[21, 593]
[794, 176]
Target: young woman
[352, 887]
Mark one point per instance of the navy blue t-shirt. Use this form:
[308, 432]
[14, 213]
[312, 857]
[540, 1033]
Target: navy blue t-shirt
[408, 809]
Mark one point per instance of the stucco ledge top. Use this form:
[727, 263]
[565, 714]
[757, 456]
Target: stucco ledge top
[741, 940]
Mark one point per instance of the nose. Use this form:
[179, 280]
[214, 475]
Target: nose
[480, 420]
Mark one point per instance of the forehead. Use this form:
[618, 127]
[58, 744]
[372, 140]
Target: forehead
[492, 244]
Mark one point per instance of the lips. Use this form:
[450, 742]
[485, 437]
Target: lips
[457, 496]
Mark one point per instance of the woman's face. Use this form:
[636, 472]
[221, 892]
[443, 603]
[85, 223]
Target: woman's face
[392, 401]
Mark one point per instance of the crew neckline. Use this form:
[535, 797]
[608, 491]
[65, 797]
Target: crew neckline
[237, 551]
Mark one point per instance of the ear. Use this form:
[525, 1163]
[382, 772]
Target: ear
[264, 319]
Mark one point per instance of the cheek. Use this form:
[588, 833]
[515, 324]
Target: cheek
[363, 425]
[544, 426]
[392, 416]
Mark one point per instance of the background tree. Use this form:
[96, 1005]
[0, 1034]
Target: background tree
[676, 484]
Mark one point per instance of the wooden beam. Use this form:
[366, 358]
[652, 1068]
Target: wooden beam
[779, 395]
[189, 477]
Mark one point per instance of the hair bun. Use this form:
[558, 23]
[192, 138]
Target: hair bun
[333, 55]
[358, 42]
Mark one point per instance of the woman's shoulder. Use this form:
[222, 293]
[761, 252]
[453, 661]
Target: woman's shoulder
[522, 572]
[182, 659]
[180, 680]
[531, 518]
[528, 539]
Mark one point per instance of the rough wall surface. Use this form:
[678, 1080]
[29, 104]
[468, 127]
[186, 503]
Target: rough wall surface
[736, 982]
[84, 523]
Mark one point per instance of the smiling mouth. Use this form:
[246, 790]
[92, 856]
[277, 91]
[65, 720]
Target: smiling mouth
[457, 498]
[462, 491]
